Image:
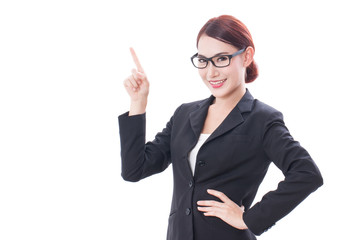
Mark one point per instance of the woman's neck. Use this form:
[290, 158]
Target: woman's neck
[229, 102]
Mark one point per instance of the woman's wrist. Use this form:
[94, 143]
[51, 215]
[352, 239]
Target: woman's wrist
[138, 107]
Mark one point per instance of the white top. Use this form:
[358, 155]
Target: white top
[195, 150]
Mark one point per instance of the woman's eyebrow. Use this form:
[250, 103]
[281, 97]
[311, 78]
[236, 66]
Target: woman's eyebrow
[218, 54]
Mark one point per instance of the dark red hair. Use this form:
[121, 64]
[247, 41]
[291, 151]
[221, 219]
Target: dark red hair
[230, 30]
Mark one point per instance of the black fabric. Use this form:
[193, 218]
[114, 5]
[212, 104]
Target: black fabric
[233, 160]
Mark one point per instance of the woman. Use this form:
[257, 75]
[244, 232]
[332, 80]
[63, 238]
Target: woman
[220, 148]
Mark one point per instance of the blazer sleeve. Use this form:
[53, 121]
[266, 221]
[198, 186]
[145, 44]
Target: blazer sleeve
[302, 176]
[139, 159]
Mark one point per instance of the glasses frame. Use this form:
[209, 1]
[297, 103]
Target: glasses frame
[230, 56]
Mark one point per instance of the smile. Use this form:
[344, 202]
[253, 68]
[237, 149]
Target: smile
[218, 83]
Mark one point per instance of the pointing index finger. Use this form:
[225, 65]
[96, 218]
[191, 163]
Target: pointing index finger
[136, 61]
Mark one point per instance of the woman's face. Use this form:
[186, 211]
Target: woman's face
[222, 82]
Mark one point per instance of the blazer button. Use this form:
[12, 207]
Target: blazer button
[188, 211]
[190, 184]
[201, 163]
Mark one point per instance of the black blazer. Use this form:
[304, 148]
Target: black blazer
[233, 160]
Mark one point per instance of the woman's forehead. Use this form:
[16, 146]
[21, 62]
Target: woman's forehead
[208, 46]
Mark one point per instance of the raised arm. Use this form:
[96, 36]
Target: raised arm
[139, 159]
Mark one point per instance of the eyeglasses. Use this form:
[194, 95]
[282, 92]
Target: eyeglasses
[219, 61]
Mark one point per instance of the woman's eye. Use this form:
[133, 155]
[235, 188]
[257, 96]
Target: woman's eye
[222, 59]
[202, 60]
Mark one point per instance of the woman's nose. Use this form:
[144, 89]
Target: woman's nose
[212, 71]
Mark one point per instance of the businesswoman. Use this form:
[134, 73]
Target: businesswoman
[220, 148]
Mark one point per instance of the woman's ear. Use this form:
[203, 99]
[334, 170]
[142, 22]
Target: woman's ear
[248, 56]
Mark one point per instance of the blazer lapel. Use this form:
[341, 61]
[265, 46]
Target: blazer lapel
[231, 121]
[235, 117]
[198, 116]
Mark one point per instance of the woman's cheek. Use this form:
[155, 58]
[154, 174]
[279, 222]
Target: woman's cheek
[202, 74]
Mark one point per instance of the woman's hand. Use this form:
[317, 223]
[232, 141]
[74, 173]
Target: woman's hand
[137, 86]
[227, 210]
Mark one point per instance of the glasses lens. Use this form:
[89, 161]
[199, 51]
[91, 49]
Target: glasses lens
[221, 61]
[199, 62]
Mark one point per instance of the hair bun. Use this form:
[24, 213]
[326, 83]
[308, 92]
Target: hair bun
[251, 72]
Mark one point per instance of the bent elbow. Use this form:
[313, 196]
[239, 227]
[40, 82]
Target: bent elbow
[130, 177]
[315, 180]
[319, 181]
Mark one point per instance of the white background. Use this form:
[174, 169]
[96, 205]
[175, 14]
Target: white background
[62, 65]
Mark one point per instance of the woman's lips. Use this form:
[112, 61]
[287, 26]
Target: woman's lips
[217, 83]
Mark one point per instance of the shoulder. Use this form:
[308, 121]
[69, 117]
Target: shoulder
[191, 106]
[264, 108]
[264, 111]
